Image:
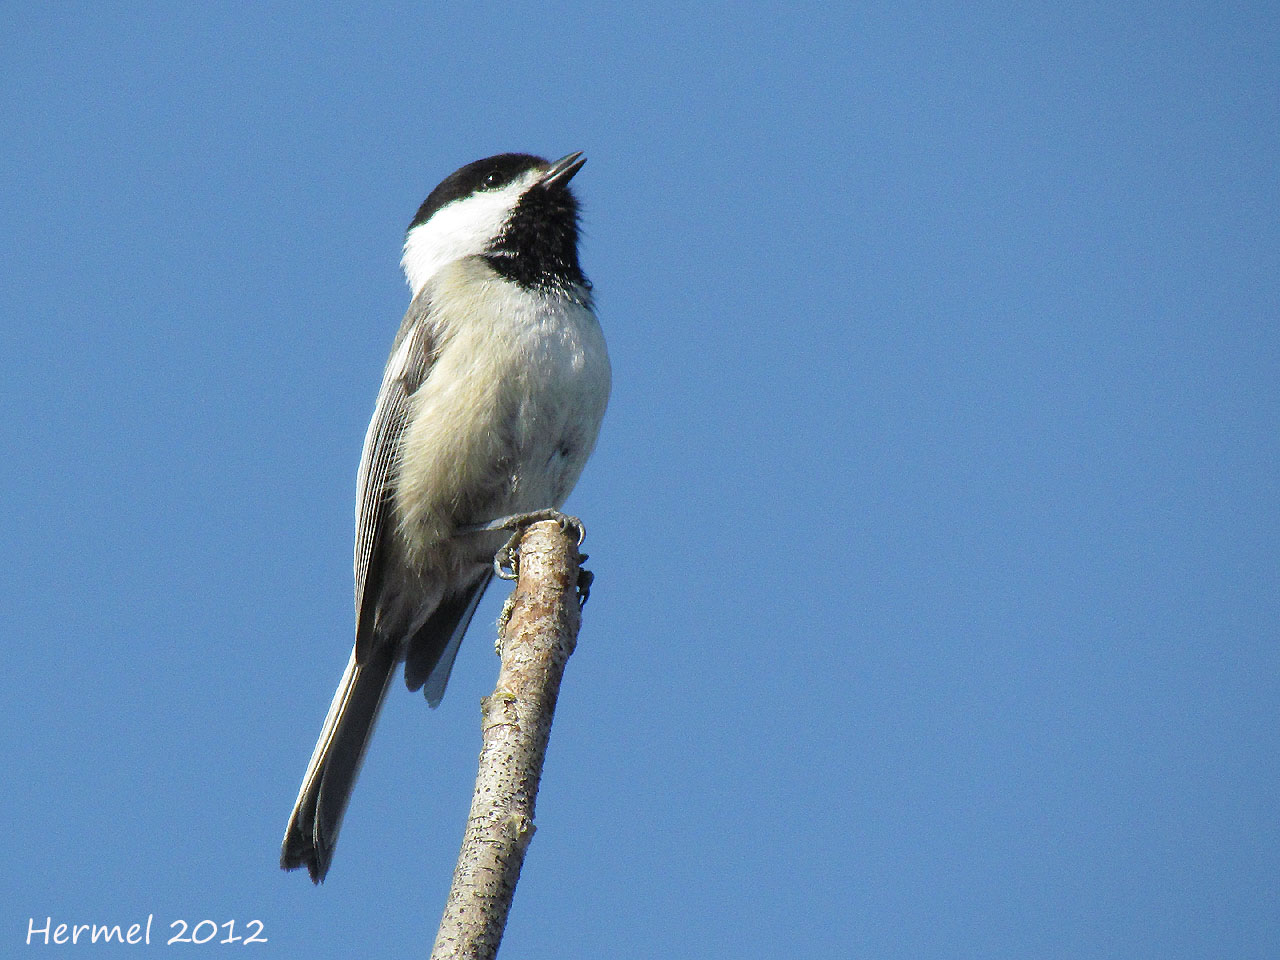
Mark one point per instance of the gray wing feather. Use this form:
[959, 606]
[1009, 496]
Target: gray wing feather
[335, 763]
[409, 365]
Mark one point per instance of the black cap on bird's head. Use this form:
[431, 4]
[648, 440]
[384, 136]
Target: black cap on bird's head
[495, 173]
[515, 209]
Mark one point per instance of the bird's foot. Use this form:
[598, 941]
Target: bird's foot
[585, 578]
[506, 560]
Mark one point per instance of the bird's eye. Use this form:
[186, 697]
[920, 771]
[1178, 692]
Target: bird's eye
[492, 180]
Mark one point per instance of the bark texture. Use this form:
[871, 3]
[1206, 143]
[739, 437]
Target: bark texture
[535, 641]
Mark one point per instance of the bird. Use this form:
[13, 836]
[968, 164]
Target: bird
[490, 405]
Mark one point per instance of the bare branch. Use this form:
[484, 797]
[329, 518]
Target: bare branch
[538, 633]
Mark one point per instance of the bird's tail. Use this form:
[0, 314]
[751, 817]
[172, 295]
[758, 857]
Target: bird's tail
[335, 764]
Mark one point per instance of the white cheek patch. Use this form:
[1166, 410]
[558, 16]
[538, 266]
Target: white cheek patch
[463, 228]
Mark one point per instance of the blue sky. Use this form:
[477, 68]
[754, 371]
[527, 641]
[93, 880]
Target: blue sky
[934, 517]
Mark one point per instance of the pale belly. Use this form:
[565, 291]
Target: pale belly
[506, 420]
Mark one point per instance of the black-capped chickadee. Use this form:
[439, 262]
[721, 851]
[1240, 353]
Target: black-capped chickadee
[490, 405]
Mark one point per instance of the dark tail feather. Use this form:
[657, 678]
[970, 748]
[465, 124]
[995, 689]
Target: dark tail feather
[431, 651]
[335, 764]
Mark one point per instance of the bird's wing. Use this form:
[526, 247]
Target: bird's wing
[410, 363]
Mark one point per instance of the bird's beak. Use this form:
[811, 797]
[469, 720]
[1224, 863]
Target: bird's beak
[562, 171]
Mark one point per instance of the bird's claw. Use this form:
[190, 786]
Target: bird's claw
[585, 578]
[506, 560]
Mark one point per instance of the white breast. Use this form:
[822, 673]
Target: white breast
[509, 414]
